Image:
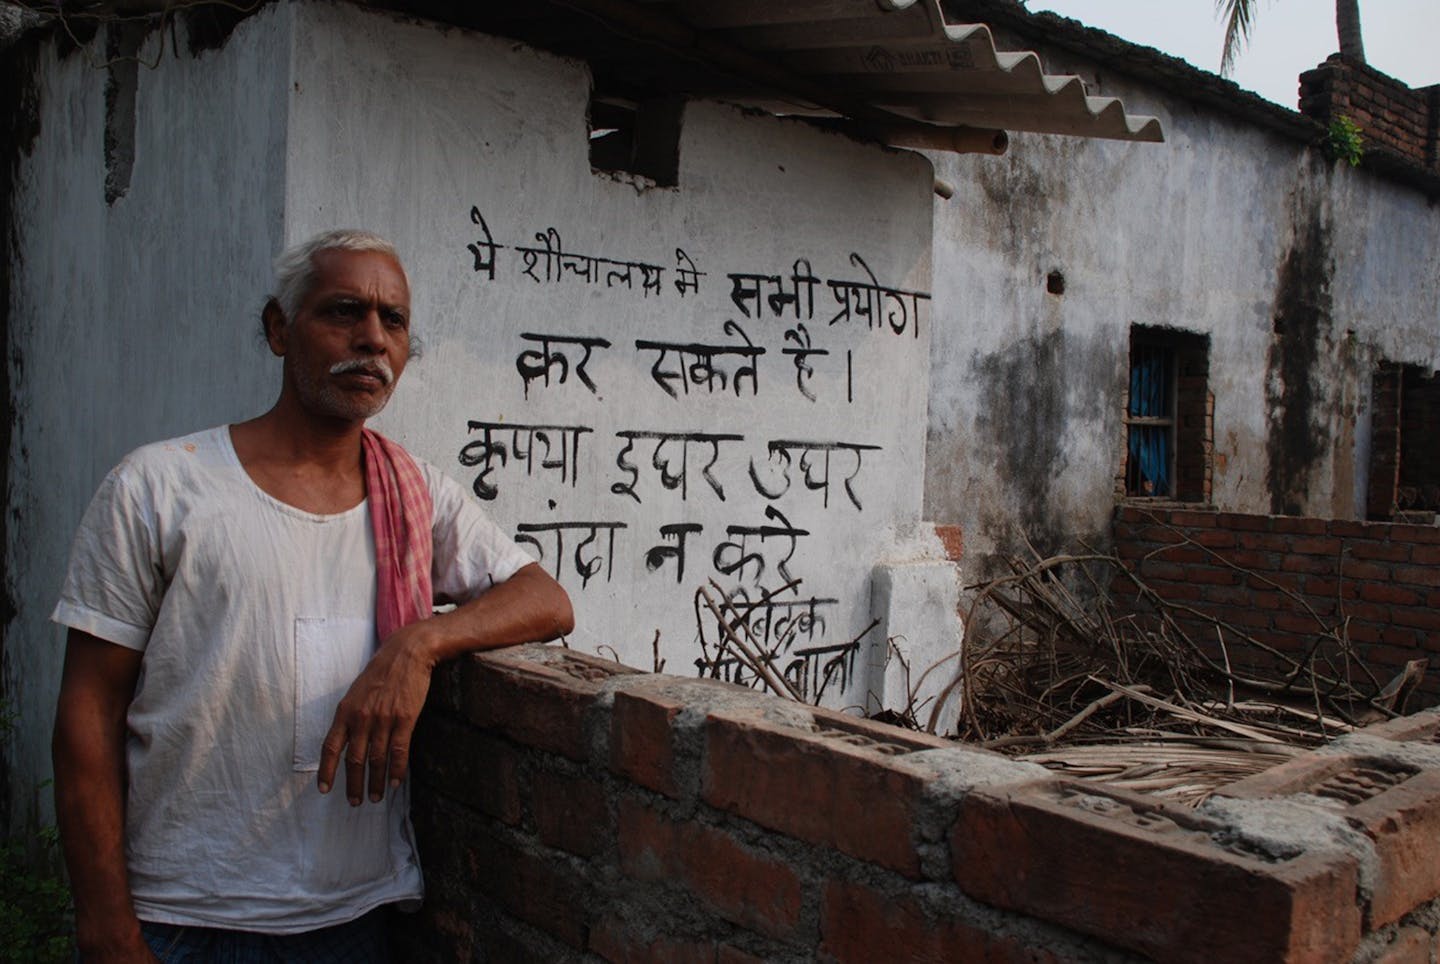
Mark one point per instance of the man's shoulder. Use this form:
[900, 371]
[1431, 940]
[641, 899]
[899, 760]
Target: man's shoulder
[198, 451]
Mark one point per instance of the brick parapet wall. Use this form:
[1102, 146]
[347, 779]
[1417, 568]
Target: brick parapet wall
[1284, 580]
[1388, 112]
[569, 809]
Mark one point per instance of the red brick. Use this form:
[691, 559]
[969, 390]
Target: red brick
[1184, 554]
[733, 955]
[527, 694]
[1317, 565]
[1428, 535]
[1423, 727]
[1126, 549]
[1299, 525]
[952, 538]
[1250, 618]
[744, 887]
[612, 942]
[858, 925]
[1254, 559]
[1228, 595]
[1425, 555]
[1373, 612]
[1384, 551]
[1296, 623]
[467, 853]
[1348, 529]
[1398, 809]
[642, 740]
[1316, 546]
[1150, 877]
[1159, 534]
[1241, 522]
[1187, 518]
[468, 765]
[1381, 592]
[1133, 515]
[1417, 616]
[1264, 541]
[859, 799]
[1331, 588]
[571, 813]
[1154, 570]
[1364, 571]
[1179, 592]
[1418, 576]
[1408, 945]
[1212, 577]
[1262, 599]
[1214, 538]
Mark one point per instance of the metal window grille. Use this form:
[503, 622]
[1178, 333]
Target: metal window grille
[1150, 421]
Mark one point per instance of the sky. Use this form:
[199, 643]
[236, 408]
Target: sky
[1287, 36]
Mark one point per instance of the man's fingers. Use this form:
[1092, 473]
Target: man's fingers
[355, 767]
[400, 751]
[330, 749]
[378, 757]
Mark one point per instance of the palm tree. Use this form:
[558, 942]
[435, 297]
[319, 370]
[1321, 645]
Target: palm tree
[1240, 14]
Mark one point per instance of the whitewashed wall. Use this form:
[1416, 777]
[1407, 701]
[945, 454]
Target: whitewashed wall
[1028, 387]
[634, 475]
[137, 321]
[132, 321]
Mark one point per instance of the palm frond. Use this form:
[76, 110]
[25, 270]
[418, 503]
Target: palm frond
[1239, 17]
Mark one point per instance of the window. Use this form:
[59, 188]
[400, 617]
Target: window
[638, 137]
[1404, 459]
[1168, 416]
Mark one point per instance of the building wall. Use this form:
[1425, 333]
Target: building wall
[1303, 273]
[1358, 598]
[137, 319]
[132, 320]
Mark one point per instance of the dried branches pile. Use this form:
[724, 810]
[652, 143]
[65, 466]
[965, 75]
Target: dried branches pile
[1161, 697]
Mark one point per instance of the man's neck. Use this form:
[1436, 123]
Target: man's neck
[310, 463]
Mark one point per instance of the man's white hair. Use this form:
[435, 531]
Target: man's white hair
[295, 268]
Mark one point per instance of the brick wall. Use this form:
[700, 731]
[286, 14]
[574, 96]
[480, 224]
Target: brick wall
[1381, 581]
[569, 809]
[1389, 113]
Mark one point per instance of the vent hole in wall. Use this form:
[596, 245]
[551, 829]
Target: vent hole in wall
[637, 136]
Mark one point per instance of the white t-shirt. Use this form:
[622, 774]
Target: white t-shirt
[254, 617]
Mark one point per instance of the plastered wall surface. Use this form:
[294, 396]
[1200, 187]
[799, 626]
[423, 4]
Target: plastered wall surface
[730, 374]
[129, 321]
[608, 364]
[1222, 230]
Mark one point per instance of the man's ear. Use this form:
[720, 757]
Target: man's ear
[273, 321]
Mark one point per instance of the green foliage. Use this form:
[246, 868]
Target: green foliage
[34, 905]
[1343, 140]
[35, 921]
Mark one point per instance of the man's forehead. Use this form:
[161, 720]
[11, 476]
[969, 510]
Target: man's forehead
[339, 268]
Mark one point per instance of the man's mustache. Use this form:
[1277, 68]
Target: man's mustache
[366, 366]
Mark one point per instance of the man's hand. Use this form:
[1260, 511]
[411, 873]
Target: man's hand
[375, 720]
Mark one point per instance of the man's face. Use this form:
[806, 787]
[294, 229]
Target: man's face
[348, 343]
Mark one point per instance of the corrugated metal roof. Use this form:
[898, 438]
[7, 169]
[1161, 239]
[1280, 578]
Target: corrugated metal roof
[878, 62]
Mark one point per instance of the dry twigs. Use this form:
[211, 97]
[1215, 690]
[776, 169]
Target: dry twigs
[1134, 696]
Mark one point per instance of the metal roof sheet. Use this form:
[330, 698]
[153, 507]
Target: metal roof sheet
[874, 61]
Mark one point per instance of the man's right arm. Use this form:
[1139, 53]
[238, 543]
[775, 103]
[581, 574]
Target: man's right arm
[88, 750]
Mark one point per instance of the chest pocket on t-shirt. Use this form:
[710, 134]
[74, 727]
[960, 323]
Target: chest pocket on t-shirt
[329, 653]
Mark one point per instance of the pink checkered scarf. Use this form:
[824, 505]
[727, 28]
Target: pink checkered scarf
[400, 514]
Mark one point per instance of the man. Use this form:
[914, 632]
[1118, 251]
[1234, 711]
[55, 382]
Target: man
[225, 591]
